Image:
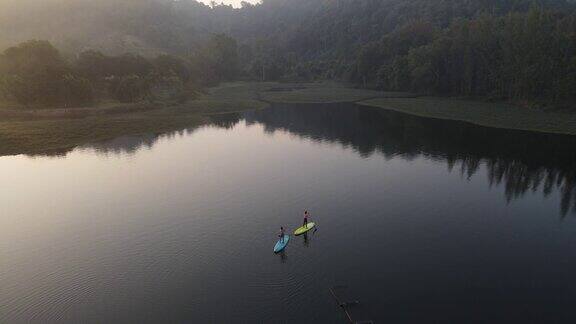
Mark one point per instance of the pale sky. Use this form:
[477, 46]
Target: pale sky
[235, 3]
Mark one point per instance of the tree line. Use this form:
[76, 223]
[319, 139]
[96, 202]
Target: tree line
[499, 49]
[35, 73]
[518, 56]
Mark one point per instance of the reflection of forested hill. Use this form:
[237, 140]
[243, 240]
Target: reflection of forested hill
[125, 144]
[521, 161]
[131, 144]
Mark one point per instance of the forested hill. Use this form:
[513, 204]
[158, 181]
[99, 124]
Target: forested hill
[503, 49]
[314, 28]
[510, 49]
[319, 26]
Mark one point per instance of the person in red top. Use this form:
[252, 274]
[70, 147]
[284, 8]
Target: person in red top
[281, 235]
[306, 215]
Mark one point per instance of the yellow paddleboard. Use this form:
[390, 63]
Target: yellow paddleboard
[302, 230]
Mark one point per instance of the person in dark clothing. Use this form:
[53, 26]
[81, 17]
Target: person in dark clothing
[306, 215]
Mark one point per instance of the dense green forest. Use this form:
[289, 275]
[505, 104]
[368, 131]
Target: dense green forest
[520, 50]
[35, 73]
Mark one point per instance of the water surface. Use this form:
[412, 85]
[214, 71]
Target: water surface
[426, 220]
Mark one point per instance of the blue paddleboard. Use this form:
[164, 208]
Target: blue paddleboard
[280, 245]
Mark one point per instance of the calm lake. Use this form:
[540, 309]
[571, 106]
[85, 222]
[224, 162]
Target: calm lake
[424, 220]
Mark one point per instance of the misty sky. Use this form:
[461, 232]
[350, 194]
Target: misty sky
[235, 3]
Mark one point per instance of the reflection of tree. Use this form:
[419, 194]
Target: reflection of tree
[124, 144]
[226, 121]
[520, 161]
[131, 144]
[519, 179]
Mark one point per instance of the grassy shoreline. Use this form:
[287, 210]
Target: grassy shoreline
[495, 115]
[39, 131]
[43, 131]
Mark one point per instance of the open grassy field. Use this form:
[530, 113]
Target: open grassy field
[322, 92]
[232, 97]
[45, 135]
[482, 113]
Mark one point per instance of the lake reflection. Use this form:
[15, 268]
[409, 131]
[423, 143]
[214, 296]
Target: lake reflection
[428, 220]
[520, 161]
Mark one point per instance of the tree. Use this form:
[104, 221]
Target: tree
[93, 65]
[33, 72]
[76, 90]
[221, 57]
[17, 88]
[130, 88]
[168, 65]
[129, 65]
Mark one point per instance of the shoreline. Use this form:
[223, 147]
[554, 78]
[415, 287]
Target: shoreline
[493, 115]
[51, 130]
